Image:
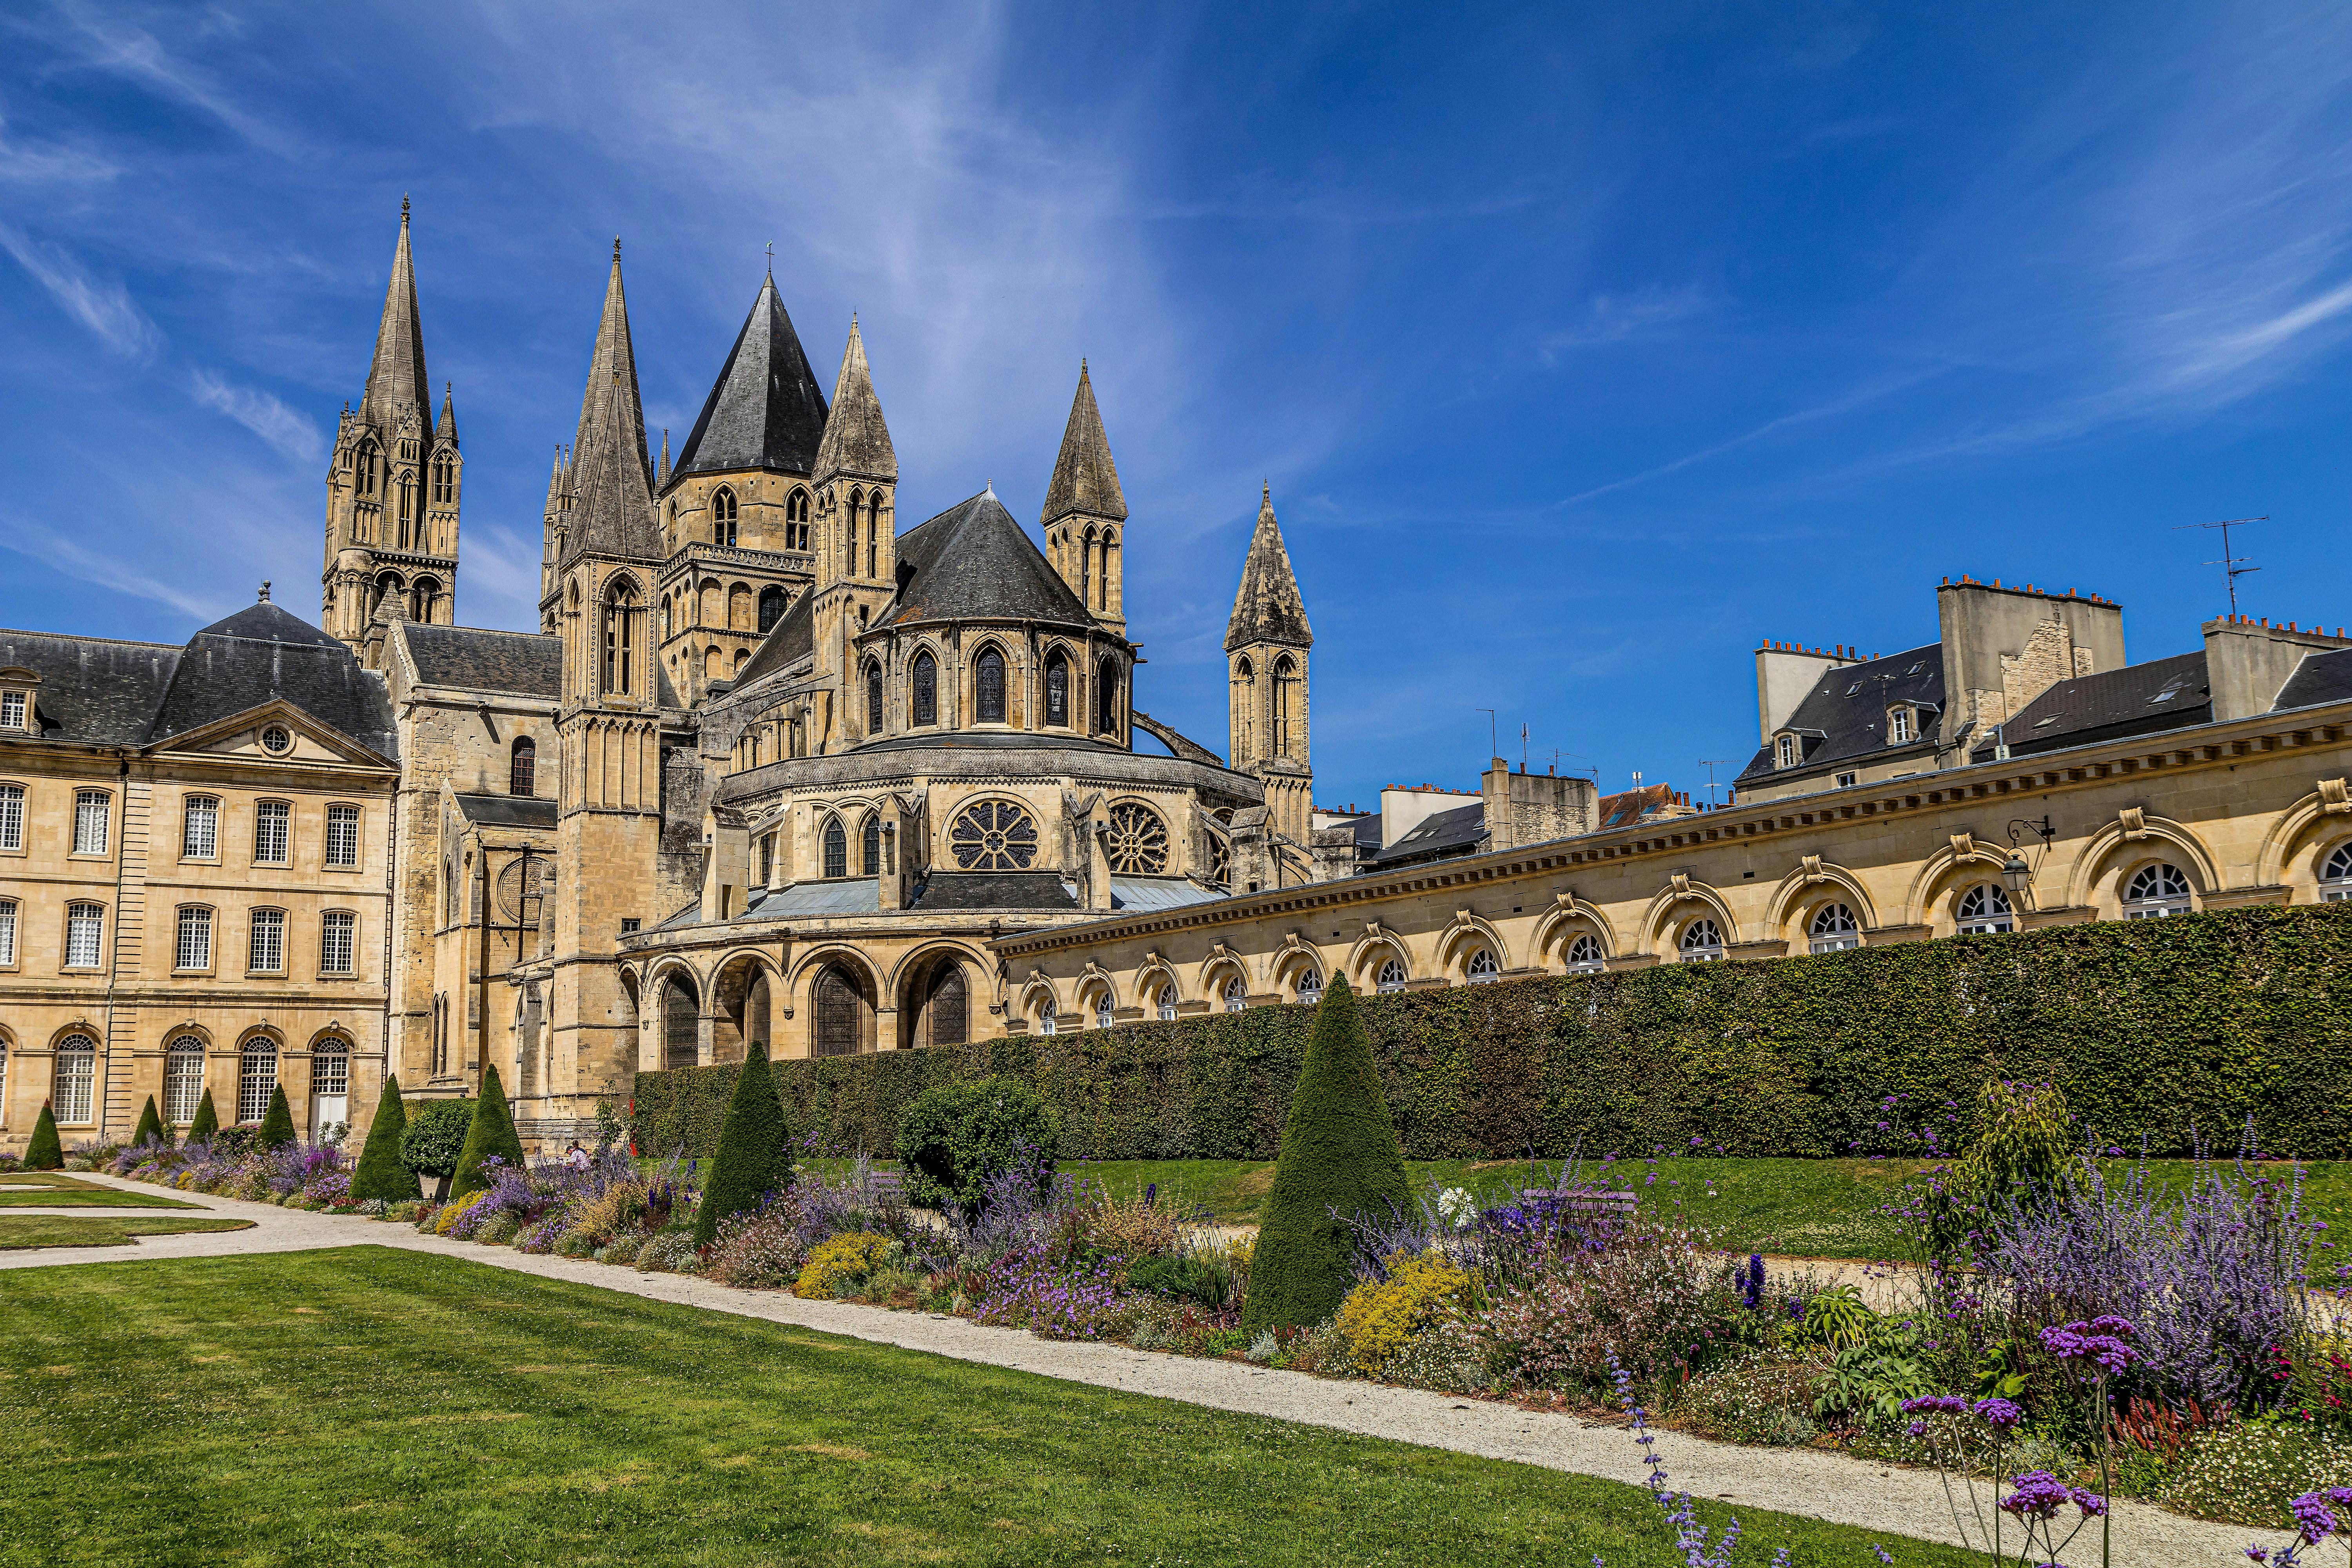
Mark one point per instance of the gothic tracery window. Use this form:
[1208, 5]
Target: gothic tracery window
[993, 836]
[988, 687]
[796, 520]
[620, 638]
[1107, 698]
[1058, 691]
[1310, 987]
[836, 849]
[874, 698]
[722, 516]
[1138, 843]
[869, 846]
[923, 693]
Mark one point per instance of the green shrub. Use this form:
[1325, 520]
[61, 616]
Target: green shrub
[151, 1127]
[2149, 1027]
[499, 1228]
[44, 1153]
[277, 1123]
[380, 1174]
[957, 1137]
[753, 1159]
[1178, 1278]
[1339, 1160]
[205, 1128]
[490, 1134]
[436, 1136]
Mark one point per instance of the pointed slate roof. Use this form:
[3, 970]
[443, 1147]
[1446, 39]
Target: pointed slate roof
[396, 380]
[446, 432]
[856, 440]
[765, 411]
[613, 502]
[1267, 607]
[1085, 477]
[972, 562]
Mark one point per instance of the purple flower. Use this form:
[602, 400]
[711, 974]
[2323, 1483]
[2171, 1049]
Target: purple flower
[2038, 1495]
[1937, 1403]
[2092, 1504]
[2312, 1517]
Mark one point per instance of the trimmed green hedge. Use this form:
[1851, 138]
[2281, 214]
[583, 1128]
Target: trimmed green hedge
[2150, 1027]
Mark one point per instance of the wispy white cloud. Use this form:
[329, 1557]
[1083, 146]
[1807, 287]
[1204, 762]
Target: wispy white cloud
[105, 307]
[112, 569]
[41, 163]
[107, 41]
[292, 434]
[1616, 318]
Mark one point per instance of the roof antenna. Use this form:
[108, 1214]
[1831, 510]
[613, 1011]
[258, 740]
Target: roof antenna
[2233, 566]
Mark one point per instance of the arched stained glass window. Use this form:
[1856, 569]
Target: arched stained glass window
[988, 687]
[874, 698]
[923, 691]
[840, 1014]
[1984, 909]
[949, 1002]
[1107, 698]
[1833, 928]
[2156, 891]
[681, 1027]
[869, 846]
[1058, 691]
[722, 516]
[836, 849]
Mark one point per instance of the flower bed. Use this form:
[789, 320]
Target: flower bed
[2092, 1338]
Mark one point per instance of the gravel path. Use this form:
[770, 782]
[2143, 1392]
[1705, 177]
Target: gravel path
[1827, 1486]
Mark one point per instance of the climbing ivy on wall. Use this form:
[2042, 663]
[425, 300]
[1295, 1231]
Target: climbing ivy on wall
[2153, 1028]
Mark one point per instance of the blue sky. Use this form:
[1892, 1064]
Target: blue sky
[1583, 351]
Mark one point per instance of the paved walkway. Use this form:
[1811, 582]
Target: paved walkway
[1827, 1486]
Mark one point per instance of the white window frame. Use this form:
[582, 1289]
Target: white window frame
[342, 838]
[1235, 994]
[93, 821]
[264, 939]
[265, 812]
[1583, 955]
[1045, 1016]
[1472, 974]
[1167, 1003]
[255, 1086]
[200, 828]
[1787, 751]
[85, 918]
[1701, 940]
[331, 923]
[1310, 987]
[7, 933]
[330, 1067]
[2336, 875]
[73, 1090]
[1390, 977]
[1902, 726]
[192, 941]
[15, 709]
[183, 1090]
[2162, 904]
[1834, 928]
[1105, 1012]
[1847, 781]
[12, 818]
[1994, 915]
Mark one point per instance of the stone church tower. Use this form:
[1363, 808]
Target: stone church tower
[393, 487]
[856, 544]
[609, 720]
[1267, 643]
[1085, 512]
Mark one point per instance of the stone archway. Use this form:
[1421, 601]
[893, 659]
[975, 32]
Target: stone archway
[681, 1021]
[841, 1012]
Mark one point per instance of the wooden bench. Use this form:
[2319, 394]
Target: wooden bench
[888, 1186]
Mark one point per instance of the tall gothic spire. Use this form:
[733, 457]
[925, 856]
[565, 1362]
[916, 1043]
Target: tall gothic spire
[611, 482]
[1267, 607]
[1085, 477]
[396, 379]
[856, 440]
[447, 430]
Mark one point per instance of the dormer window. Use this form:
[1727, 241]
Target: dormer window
[1787, 750]
[18, 712]
[1902, 726]
[14, 708]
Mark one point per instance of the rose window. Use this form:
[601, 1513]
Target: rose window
[1138, 841]
[993, 836]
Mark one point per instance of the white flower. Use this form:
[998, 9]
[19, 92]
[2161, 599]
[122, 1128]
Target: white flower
[1458, 1206]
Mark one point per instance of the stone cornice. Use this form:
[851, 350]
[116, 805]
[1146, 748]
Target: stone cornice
[2199, 746]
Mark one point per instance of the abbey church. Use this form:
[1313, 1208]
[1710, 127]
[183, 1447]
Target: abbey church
[776, 764]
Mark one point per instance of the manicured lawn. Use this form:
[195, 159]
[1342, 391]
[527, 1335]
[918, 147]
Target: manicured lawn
[1805, 1208]
[364, 1405]
[64, 1192]
[23, 1230]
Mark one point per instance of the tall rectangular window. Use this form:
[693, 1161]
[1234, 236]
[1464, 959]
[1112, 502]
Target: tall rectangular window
[200, 829]
[270, 821]
[343, 837]
[12, 816]
[84, 925]
[7, 931]
[194, 950]
[336, 930]
[89, 821]
[13, 708]
[267, 951]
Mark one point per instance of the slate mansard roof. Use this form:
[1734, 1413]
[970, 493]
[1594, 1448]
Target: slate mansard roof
[2138, 698]
[520, 664]
[98, 692]
[1843, 718]
[973, 562]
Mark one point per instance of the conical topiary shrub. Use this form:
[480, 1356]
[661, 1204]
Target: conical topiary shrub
[1339, 1152]
[492, 1131]
[151, 1127]
[752, 1161]
[206, 1126]
[277, 1123]
[44, 1153]
[380, 1174]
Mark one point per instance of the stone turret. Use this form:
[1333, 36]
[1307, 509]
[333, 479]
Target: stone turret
[1267, 646]
[1086, 511]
